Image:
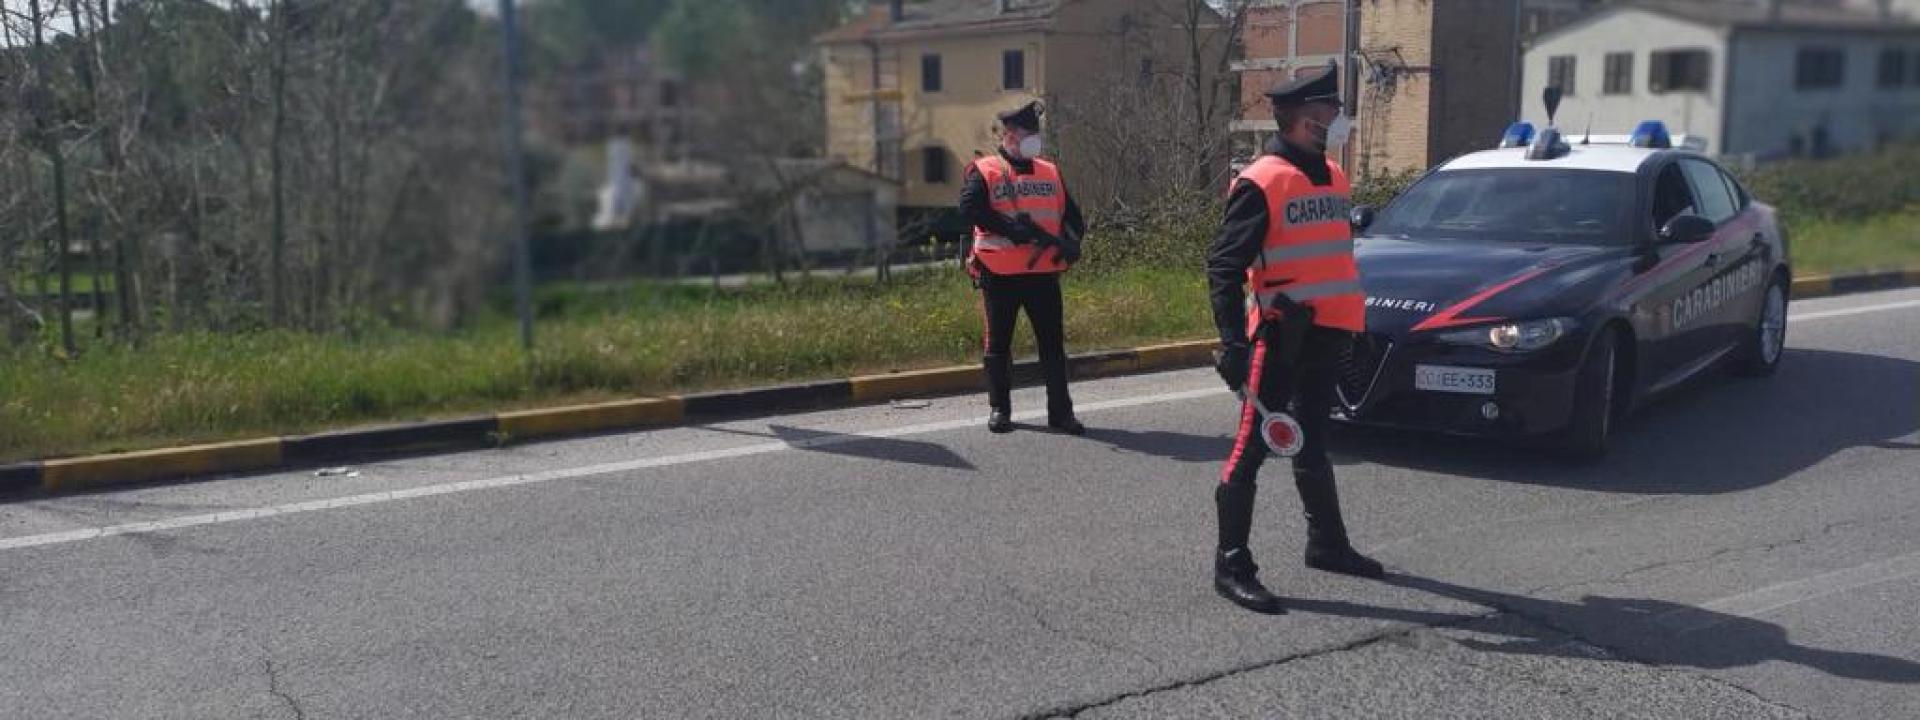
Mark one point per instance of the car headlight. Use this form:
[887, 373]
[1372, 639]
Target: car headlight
[1511, 337]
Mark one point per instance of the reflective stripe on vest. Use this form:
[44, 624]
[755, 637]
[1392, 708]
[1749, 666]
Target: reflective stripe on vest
[1307, 253]
[1307, 292]
[1041, 195]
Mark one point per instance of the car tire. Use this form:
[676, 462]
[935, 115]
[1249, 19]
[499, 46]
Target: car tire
[1595, 402]
[1766, 342]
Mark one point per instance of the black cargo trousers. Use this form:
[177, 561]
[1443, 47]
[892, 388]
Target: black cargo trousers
[1002, 297]
[1305, 390]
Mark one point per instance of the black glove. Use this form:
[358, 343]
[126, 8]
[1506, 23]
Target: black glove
[1070, 250]
[1233, 362]
[1024, 229]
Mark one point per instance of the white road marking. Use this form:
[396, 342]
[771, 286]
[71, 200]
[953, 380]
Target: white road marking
[231, 516]
[220, 518]
[1759, 602]
[1824, 314]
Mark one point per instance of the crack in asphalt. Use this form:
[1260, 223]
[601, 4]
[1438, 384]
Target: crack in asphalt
[1390, 634]
[1622, 654]
[273, 687]
[1757, 548]
[1495, 610]
[1040, 618]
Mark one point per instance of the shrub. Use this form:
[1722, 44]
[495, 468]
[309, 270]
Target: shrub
[1854, 187]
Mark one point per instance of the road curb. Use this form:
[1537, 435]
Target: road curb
[94, 471]
[68, 475]
[1807, 287]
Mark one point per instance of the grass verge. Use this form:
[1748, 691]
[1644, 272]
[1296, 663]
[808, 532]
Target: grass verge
[598, 344]
[592, 345]
[1831, 246]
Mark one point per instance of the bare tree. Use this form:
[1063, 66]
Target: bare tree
[1152, 126]
[47, 129]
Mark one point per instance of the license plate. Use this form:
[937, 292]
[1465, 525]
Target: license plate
[1446, 378]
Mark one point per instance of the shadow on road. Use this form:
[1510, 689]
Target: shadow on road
[1649, 631]
[1175, 446]
[915, 452]
[1720, 434]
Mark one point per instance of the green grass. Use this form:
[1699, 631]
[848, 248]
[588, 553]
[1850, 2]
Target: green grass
[29, 284]
[592, 345]
[1828, 246]
[597, 343]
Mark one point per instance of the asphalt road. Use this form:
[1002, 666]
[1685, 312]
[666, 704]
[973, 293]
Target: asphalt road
[1750, 550]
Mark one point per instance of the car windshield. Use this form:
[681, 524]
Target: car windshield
[1522, 206]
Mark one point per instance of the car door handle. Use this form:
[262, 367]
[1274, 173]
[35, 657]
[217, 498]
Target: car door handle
[1713, 259]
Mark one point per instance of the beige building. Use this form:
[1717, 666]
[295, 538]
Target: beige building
[1436, 78]
[912, 89]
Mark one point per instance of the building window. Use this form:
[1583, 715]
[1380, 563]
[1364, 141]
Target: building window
[1678, 71]
[1146, 71]
[933, 164]
[1819, 68]
[1619, 74]
[1013, 70]
[930, 81]
[1560, 73]
[1893, 68]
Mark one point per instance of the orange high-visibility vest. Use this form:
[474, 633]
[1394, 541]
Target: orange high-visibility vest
[1041, 196]
[1308, 250]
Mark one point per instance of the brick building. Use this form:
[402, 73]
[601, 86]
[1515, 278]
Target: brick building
[1280, 39]
[1436, 78]
[1429, 79]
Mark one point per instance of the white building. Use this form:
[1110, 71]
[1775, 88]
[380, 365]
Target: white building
[1757, 78]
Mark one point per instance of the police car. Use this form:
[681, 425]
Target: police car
[1546, 288]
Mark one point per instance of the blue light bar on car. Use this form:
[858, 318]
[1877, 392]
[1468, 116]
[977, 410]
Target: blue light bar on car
[1518, 135]
[1651, 134]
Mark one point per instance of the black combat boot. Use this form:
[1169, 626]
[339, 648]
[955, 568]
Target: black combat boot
[1059, 398]
[1235, 576]
[999, 392]
[1000, 422]
[1237, 579]
[1067, 424]
[1327, 545]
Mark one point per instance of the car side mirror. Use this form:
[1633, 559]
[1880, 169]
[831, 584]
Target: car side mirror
[1361, 217]
[1686, 229]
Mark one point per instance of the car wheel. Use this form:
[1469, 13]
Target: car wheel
[1594, 400]
[1766, 342]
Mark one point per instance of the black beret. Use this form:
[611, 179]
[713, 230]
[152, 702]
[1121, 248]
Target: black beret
[1321, 85]
[1025, 117]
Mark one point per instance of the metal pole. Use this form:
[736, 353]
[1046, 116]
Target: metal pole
[516, 171]
[1349, 70]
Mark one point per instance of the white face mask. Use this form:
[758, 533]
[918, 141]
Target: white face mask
[1339, 131]
[1031, 146]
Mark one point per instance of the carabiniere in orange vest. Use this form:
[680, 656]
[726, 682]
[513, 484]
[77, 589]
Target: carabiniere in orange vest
[1308, 250]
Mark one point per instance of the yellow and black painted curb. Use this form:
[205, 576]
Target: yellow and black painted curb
[1814, 286]
[79, 474]
[94, 472]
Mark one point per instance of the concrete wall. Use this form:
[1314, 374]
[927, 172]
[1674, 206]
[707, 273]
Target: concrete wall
[1641, 33]
[848, 72]
[1394, 110]
[1768, 110]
